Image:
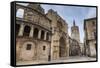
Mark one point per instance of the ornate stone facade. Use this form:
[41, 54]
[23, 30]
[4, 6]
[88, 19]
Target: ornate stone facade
[40, 36]
[59, 41]
[90, 37]
[33, 33]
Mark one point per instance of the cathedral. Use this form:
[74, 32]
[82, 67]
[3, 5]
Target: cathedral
[40, 37]
[33, 34]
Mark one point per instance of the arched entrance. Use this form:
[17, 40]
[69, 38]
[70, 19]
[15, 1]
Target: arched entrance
[27, 51]
[62, 47]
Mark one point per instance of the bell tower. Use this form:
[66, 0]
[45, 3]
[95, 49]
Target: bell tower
[75, 32]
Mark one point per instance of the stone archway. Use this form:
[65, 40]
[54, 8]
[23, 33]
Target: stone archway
[62, 47]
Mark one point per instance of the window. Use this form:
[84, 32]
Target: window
[28, 47]
[93, 23]
[47, 37]
[42, 35]
[20, 13]
[27, 30]
[35, 35]
[44, 47]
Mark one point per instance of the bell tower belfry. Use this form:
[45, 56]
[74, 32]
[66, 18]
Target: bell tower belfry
[75, 32]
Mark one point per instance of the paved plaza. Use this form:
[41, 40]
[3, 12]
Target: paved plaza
[68, 59]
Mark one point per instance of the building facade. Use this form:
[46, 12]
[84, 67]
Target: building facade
[59, 39]
[33, 33]
[40, 36]
[90, 37]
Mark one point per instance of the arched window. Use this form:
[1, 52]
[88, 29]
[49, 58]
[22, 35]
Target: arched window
[47, 37]
[27, 30]
[20, 13]
[17, 29]
[42, 35]
[35, 35]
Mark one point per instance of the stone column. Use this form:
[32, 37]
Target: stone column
[49, 38]
[39, 34]
[31, 31]
[21, 30]
[45, 35]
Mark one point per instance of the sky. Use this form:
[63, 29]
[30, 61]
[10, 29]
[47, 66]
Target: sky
[69, 14]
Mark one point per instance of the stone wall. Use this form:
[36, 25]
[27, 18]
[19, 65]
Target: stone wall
[39, 50]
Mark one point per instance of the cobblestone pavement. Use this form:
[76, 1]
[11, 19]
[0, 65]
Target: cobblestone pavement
[68, 59]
